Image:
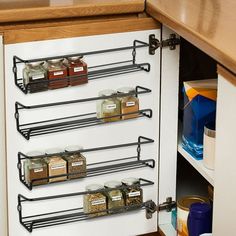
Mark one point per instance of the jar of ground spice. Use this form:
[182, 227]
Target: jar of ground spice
[35, 77]
[115, 199]
[57, 73]
[132, 192]
[94, 202]
[78, 70]
[56, 165]
[129, 103]
[35, 169]
[76, 162]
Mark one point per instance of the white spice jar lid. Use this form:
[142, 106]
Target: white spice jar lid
[34, 153]
[53, 150]
[93, 187]
[112, 184]
[125, 90]
[130, 181]
[73, 148]
[106, 92]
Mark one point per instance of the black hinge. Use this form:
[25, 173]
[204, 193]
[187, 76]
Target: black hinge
[154, 43]
[168, 205]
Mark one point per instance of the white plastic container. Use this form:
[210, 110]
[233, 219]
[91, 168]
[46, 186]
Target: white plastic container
[209, 146]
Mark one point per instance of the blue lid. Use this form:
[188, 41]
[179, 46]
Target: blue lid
[200, 210]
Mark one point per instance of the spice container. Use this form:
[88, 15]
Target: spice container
[56, 71]
[35, 77]
[129, 103]
[35, 169]
[115, 197]
[133, 193]
[110, 106]
[76, 162]
[78, 69]
[209, 146]
[183, 205]
[94, 202]
[56, 165]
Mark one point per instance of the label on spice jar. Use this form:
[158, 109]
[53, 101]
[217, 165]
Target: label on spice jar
[98, 202]
[78, 69]
[38, 170]
[130, 104]
[77, 163]
[116, 198]
[134, 194]
[59, 166]
[58, 73]
[40, 76]
[111, 106]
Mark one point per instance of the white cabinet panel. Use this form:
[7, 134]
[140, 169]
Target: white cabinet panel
[109, 134]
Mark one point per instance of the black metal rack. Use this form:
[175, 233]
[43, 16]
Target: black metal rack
[99, 168]
[72, 122]
[94, 72]
[77, 214]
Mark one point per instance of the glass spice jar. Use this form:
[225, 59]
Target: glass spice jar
[76, 162]
[115, 199]
[94, 202]
[56, 165]
[57, 71]
[78, 69]
[35, 77]
[110, 106]
[133, 192]
[35, 169]
[129, 103]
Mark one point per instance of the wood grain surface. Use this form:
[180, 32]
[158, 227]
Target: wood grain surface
[26, 10]
[209, 25]
[227, 74]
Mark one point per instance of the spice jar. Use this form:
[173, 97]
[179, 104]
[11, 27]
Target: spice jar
[76, 162]
[94, 202]
[129, 103]
[35, 169]
[133, 192]
[110, 106]
[35, 77]
[56, 165]
[57, 71]
[115, 197]
[78, 69]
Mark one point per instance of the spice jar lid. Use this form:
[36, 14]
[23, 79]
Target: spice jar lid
[34, 153]
[130, 181]
[55, 61]
[185, 202]
[107, 92]
[73, 148]
[34, 64]
[125, 90]
[93, 187]
[75, 58]
[112, 184]
[53, 150]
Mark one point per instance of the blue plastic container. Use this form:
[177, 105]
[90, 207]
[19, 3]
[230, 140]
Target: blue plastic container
[199, 219]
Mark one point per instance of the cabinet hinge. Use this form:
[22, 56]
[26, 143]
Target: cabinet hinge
[168, 205]
[154, 43]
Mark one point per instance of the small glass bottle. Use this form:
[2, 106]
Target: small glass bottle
[128, 104]
[76, 162]
[56, 165]
[35, 169]
[115, 199]
[35, 77]
[77, 67]
[133, 192]
[56, 71]
[94, 202]
[110, 106]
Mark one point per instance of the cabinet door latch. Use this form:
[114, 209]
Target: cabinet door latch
[154, 43]
[168, 205]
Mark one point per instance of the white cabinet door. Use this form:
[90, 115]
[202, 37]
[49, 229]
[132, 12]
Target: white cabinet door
[225, 174]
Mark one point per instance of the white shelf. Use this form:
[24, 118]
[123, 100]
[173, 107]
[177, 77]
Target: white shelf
[168, 229]
[197, 164]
